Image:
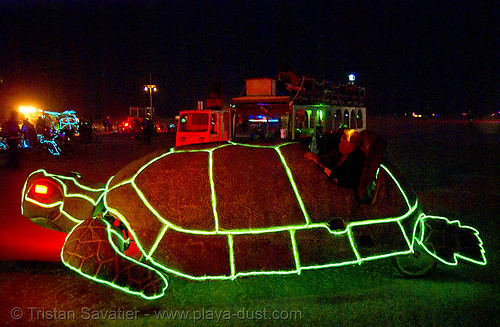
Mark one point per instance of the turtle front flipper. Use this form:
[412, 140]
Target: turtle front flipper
[89, 251]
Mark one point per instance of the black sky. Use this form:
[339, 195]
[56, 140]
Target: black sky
[95, 56]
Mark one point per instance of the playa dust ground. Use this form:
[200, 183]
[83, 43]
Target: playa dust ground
[453, 168]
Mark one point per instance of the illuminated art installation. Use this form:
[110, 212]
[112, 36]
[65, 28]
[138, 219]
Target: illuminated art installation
[3, 146]
[50, 144]
[220, 211]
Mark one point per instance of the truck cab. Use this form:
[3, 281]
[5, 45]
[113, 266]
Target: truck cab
[202, 126]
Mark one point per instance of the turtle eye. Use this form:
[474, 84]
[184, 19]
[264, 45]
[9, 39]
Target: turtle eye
[45, 191]
[41, 189]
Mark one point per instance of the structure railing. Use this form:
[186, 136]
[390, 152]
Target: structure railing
[312, 91]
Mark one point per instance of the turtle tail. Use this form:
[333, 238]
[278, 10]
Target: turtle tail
[449, 240]
[89, 251]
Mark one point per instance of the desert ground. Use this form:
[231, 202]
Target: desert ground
[454, 169]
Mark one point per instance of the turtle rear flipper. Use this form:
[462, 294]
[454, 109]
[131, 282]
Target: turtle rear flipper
[88, 251]
[451, 240]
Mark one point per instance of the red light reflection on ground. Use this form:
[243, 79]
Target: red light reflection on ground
[20, 239]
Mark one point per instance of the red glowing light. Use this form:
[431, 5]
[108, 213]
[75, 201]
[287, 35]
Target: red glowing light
[41, 189]
[46, 191]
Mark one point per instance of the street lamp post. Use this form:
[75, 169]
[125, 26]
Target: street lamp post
[150, 87]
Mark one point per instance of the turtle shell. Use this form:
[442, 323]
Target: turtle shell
[220, 209]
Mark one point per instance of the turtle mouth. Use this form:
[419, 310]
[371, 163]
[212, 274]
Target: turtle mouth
[46, 223]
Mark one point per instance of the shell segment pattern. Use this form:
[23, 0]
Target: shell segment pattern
[205, 213]
[219, 211]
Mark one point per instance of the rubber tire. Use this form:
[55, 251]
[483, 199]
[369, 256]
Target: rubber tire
[417, 264]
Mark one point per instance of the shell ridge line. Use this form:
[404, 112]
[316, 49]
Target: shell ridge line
[151, 162]
[146, 203]
[293, 185]
[213, 195]
[398, 185]
[231, 254]
[296, 254]
[158, 240]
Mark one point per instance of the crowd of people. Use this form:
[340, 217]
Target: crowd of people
[47, 134]
[11, 132]
[43, 134]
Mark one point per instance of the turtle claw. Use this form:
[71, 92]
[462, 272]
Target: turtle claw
[89, 251]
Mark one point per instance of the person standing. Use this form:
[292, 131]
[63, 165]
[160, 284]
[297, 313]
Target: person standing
[11, 131]
[147, 128]
[29, 134]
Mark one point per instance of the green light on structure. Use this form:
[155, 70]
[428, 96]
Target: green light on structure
[408, 234]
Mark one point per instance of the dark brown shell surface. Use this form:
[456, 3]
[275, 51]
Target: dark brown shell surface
[205, 203]
[251, 190]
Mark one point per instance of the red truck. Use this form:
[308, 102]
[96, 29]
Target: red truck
[202, 126]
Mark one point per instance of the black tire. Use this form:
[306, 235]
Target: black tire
[417, 264]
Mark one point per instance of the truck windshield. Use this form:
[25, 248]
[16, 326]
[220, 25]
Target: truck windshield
[193, 122]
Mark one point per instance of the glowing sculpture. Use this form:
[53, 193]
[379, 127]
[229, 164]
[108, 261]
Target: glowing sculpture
[228, 210]
[50, 144]
[3, 146]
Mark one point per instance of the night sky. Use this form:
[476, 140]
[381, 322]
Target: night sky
[95, 56]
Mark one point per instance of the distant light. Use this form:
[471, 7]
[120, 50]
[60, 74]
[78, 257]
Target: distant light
[352, 77]
[154, 89]
[26, 110]
[261, 119]
[145, 88]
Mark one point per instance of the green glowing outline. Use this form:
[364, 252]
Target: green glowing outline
[455, 255]
[110, 283]
[66, 194]
[413, 211]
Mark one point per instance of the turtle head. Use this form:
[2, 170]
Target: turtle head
[58, 202]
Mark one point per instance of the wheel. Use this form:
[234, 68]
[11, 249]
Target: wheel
[417, 264]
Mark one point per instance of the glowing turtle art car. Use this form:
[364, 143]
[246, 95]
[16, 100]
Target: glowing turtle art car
[225, 210]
